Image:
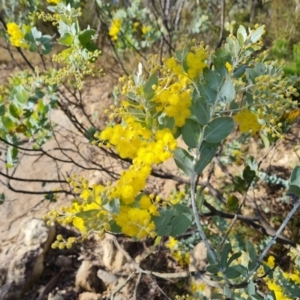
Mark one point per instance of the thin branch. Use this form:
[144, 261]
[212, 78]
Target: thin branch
[223, 3]
[31, 180]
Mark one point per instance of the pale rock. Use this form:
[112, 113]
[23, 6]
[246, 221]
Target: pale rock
[23, 262]
[106, 277]
[113, 259]
[86, 278]
[198, 258]
[198, 262]
[89, 296]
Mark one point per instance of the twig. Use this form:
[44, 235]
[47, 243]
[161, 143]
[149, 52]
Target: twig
[273, 240]
[222, 23]
[120, 286]
[136, 286]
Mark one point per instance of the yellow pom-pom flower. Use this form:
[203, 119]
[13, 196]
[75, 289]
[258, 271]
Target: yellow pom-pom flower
[247, 121]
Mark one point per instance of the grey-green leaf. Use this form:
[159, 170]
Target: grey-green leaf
[208, 93]
[86, 36]
[213, 269]
[295, 176]
[251, 251]
[207, 153]
[190, 133]
[232, 272]
[201, 110]
[227, 92]
[257, 34]
[213, 78]
[218, 129]
[66, 39]
[242, 35]
[180, 224]
[183, 160]
[162, 221]
[224, 254]
[295, 182]
[251, 288]
[233, 257]
[148, 91]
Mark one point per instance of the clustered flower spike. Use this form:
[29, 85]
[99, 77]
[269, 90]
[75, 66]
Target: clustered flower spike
[115, 29]
[16, 35]
[272, 97]
[54, 1]
[141, 138]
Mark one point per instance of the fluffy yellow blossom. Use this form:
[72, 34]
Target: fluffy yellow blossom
[196, 62]
[135, 222]
[16, 35]
[228, 67]
[80, 222]
[54, 1]
[174, 66]
[271, 262]
[126, 138]
[200, 287]
[172, 243]
[295, 277]
[277, 289]
[146, 29]
[247, 121]
[174, 104]
[135, 26]
[275, 285]
[115, 28]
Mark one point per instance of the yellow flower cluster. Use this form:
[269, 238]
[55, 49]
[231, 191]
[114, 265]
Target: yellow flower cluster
[115, 28]
[182, 257]
[90, 211]
[146, 29]
[171, 93]
[275, 285]
[247, 121]
[273, 98]
[196, 62]
[175, 197]
[135, 209]
[198, 287]
[54, 1]
[174, 101]
[127, 138]
[16, 35]
[77, 65]
[228, 67]
[135, 222]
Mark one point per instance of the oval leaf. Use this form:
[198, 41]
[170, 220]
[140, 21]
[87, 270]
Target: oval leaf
[257, 34]
[207, 153]
[180, 224]
[232, 272]
[218, 129]
[183, 160]
[148, 91]
[227, 92]
[190, 133]
[201, 110]
[224, 255]
[86, 36]
[66, 39]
